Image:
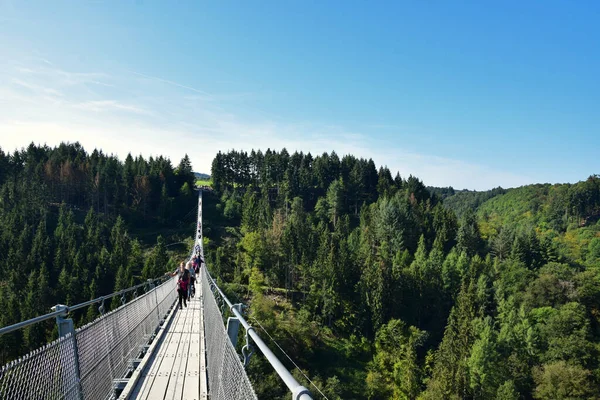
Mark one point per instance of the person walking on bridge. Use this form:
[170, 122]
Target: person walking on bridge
[183, 282]
[197, 262]
[191, 287]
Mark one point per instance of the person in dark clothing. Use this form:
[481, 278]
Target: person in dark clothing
[197, 263]
[182, 283]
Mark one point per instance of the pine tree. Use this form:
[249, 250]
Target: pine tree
[450, 373]
[485, 369]
[335, 200]
[159, 259]
[35, 334]
[92, 311]
[468, 238]
[64, 290]
[134, 264]
[418, 271]
[120, 284]
[451, 276]
[507, 391]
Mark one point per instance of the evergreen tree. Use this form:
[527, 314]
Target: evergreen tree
[507, 391]
[335, 200]
[450, 373]
[485, 369]
[468, 238]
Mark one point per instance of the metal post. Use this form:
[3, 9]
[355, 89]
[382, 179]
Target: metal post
[299, 392]
[152, 287]
[65, 327]
[233, 325]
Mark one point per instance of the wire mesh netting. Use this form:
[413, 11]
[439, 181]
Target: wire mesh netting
[105, 348]
[85, 365]
[46, 373]
[108, 345]
[227, 377]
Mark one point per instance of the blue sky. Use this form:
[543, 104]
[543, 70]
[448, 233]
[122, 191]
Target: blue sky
[468, 94]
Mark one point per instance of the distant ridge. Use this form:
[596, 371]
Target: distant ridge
[202, 176]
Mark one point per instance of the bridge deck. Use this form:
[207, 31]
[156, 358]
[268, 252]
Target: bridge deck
[174, 370]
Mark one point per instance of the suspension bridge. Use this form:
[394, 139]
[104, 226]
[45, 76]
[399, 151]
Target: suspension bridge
[147, 348]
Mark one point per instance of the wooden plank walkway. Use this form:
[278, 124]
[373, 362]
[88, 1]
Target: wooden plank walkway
[173, 371]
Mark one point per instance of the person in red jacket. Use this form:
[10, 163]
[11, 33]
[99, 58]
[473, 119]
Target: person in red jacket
[182, 283]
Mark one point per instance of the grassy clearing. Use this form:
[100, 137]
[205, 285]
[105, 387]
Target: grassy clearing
[203, 182]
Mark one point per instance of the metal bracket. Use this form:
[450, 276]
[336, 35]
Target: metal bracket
[119, 385]
[101, 308]
[247, 350]
[134, 363]
[299, 392]
[233, 326]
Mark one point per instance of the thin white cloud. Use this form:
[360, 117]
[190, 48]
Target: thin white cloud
[155, 78]
[101, 83]
[37, 88]
[135, 116]
[110, 105]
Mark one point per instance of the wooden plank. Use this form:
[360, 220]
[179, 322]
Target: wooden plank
[149, 377]
[191, 387]
[160, 386]
[174, 370]
[175, 386]
[149, 372]
[137, 378]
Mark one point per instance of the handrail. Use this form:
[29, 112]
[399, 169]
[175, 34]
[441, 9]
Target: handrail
[299, 392]
[23, 324]
[64, 310]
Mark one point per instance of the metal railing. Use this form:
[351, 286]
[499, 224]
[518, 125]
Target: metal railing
[59, 310]
[88, 362]
[45, 373]
[227, 378]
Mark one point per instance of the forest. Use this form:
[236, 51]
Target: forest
[381, 288]
[377, 286]
[76, 226]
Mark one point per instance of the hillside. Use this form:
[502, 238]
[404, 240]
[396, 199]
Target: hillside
[565, 214]
[79, 225]
[376, 286]
[380, 288]
[201, 176]
[464, 200]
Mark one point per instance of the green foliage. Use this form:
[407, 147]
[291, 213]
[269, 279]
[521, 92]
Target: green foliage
[456, 307]
[335, 200]
[203, 182]
[464, 201]
[507, 391]
[69, 221]
[376, 287]
[485, 370]
[468, 237]
[157, 262]
[395, 370]
[561, 381]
